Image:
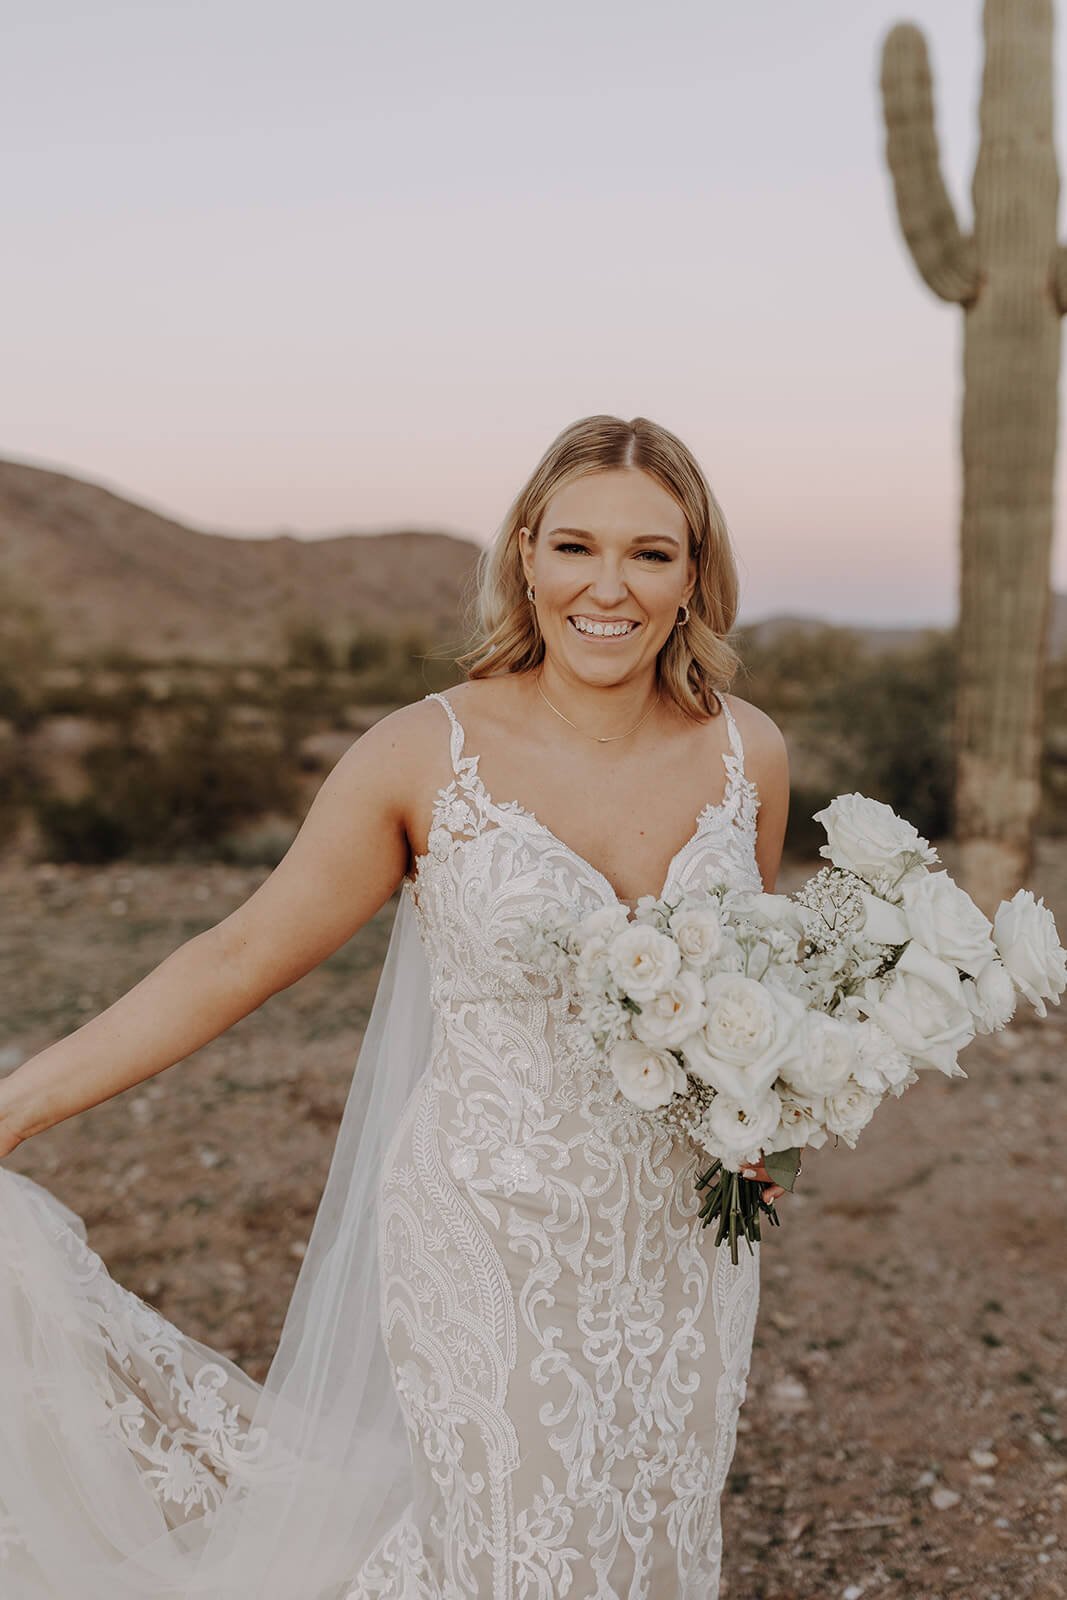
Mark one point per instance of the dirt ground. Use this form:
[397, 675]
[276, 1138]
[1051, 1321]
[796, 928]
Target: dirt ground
[902, 1433]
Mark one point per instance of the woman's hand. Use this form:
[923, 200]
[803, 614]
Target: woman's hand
[10, 1137]
[775, 1190]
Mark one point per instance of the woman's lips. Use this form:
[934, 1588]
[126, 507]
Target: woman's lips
[604, 638]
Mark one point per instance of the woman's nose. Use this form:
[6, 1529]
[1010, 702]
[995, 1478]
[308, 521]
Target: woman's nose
[608, 585]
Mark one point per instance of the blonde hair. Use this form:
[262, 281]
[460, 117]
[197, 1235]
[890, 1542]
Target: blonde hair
[696, 659]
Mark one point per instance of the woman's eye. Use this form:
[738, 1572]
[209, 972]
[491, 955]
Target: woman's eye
[657, 555]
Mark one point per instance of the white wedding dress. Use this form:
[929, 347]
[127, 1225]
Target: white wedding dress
[567, 1350]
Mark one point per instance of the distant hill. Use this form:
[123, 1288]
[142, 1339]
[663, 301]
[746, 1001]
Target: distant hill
[110, 572]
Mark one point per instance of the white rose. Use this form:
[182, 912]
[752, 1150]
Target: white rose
[928, 1026]
[1024, 931]
[880, 1064]
[800, 1123]
[643, 961]
[991, 998]
[848, 1111]
[867, 837]
[739, 1133]
[828, 1056]
[647, 1077]
[697, 930]
[752, 1032]
[673, 1014]
[945, 920]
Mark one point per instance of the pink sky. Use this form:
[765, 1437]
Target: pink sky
[342, 268]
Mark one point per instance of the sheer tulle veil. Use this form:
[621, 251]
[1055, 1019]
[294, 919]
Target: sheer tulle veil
[307, 1472]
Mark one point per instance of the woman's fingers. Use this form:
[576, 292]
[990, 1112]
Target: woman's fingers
[760, 1172]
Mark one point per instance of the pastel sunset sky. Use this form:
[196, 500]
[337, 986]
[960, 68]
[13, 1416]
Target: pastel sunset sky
[337, 267]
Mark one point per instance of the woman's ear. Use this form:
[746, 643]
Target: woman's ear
[526, 553]
[690, 581]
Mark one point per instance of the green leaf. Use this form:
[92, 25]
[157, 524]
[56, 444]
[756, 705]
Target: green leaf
[782, 1167]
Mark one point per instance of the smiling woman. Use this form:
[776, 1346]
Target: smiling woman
[511, 1364]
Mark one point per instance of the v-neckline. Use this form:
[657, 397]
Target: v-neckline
[512, 808]
[515, 808]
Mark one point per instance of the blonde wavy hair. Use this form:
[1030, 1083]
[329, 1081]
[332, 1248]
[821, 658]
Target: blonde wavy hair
[696, 659]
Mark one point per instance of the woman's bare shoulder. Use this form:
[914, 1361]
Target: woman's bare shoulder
[416, 735]
[762, 738]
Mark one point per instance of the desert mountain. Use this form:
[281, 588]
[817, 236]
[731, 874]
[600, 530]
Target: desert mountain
[109, 572]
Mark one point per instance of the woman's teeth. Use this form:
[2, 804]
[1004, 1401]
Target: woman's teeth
[603, 630]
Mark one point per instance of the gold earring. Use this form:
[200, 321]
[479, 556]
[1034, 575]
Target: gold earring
[683, 620]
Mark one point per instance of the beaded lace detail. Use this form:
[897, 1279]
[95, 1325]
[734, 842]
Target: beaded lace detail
[569, 1349]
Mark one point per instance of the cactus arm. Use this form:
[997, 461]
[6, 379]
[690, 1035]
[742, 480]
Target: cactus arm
[945, 256]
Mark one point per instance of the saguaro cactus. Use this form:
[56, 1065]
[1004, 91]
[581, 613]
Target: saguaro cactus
[1010, 278]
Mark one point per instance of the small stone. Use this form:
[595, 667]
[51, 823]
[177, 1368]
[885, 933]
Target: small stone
[789, 1394]
[943, 1499]
[986, 1459]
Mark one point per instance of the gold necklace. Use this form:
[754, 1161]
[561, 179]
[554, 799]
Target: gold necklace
[600, 738]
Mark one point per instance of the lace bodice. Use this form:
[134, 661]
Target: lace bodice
[506, 837]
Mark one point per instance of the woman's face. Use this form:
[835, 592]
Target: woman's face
[613, 547]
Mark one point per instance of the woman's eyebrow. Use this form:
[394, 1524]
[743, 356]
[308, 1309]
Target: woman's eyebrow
[642, 538]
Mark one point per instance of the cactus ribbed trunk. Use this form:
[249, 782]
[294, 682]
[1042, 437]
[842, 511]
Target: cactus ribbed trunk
[1007, 278]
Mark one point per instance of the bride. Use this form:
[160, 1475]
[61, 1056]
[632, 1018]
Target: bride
[513, 1361]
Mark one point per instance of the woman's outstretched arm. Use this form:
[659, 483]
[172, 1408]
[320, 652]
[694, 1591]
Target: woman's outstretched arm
[348, 858]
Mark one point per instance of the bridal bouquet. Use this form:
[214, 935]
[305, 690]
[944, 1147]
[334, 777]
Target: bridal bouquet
[757, 1024]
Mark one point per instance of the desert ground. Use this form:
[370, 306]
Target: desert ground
[902, 1433]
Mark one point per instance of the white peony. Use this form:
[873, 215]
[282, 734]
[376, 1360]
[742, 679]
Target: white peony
[752, 1032]
[849, 1109]
[880, 1063]
[945, 920]
[739, 1133]
[826, 1060]
[991, 998]
[643, 961]
[647, 1077]
[673, 1014]
[697, 930]
[925, 1022]
[1024, 931]
[867, 837]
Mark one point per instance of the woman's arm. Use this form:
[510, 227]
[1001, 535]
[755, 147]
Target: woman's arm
[767, 764]
[347, 860]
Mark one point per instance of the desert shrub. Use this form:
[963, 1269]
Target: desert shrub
[307, 645]
[158, 802]
[370, 647]
[27, 650]
[874, 721]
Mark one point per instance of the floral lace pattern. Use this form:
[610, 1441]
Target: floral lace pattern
[179, 1411]
[569, 1354]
